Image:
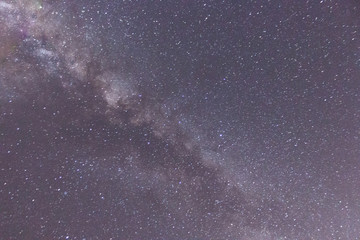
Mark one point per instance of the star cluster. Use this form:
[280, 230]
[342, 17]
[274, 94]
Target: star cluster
[179, 119]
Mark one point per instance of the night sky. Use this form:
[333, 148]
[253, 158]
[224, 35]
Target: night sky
[180, 120]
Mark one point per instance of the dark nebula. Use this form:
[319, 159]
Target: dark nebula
[179, 120]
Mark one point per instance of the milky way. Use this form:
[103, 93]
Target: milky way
[179, 120]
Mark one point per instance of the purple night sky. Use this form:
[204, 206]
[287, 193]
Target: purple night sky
[180, 120]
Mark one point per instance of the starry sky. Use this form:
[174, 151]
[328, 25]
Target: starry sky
[180, 120]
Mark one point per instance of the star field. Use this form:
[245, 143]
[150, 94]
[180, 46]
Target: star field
[179, 120]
